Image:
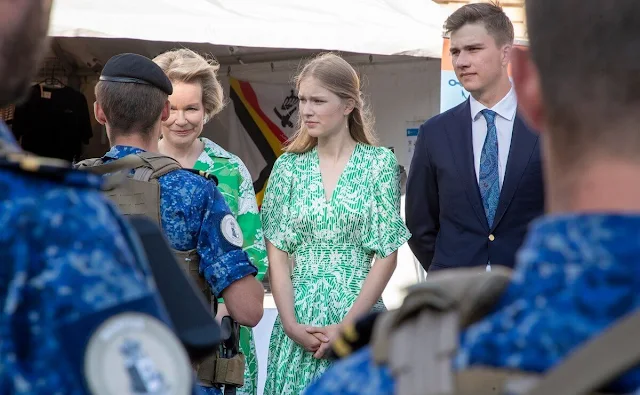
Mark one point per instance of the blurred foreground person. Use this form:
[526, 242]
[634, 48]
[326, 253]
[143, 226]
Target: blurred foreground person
[80, 312]
[577, 272]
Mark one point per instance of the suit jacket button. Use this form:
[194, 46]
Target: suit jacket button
[492, 237]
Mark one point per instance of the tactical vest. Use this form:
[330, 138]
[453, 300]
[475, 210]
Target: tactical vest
[419, 340]
[140, 195]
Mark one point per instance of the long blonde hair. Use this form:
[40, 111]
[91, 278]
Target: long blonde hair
[337, 76]
[185, 65]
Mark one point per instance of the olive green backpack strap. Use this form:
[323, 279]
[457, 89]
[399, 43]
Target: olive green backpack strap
[89, 165]
[154, 166]
[117, 169]
[146, 165]
[97, 166]
[434, 312]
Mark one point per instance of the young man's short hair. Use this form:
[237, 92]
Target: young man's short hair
[491, 15]
[129, 106]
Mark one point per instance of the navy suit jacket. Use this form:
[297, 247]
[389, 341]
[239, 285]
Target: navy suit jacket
[444, 208]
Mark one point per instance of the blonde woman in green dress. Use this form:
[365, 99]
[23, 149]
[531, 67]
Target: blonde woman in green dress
[197, 97]
[333, 203]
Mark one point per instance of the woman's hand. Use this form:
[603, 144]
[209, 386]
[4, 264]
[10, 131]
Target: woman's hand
[330, 333]
[306, 340]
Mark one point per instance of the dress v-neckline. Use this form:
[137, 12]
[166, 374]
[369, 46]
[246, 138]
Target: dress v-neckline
[339, 181]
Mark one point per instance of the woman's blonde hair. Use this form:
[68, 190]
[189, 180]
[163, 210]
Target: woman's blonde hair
[337, 76]
[185, 65]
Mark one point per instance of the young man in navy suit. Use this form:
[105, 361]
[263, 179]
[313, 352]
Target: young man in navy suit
[475, 179]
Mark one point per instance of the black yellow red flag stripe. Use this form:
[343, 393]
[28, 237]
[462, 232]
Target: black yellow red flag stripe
[267, 137]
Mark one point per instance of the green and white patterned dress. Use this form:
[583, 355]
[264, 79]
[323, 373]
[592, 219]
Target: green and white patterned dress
[333, 243]
[236, 186]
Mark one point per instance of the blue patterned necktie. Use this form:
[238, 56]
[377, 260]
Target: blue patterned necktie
[489, 180]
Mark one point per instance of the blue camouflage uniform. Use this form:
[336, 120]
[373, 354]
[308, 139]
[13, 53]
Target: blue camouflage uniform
[575, 275]
[191, 210]
[69, 262]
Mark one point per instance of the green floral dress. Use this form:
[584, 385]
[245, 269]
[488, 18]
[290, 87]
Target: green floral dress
[333, 243]
[236, 185]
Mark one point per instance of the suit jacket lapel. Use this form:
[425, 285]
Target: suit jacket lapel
[523, 142]
[460, 140]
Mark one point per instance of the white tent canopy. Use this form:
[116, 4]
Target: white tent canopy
[237, 28]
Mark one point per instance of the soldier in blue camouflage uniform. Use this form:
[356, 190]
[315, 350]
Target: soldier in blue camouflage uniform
[577, 272]
[131, 101]
[70, 264]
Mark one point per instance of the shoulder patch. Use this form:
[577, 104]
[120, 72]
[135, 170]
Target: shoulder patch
[231, 230]
[134, 353]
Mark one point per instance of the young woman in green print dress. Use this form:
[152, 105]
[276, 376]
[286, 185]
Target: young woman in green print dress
[197, 97]
[333, 202]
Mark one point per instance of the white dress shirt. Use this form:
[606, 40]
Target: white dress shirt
[506, 114]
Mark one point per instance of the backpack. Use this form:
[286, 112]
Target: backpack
[436, 311]
[139, 194]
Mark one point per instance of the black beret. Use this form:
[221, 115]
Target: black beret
[136, 69]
